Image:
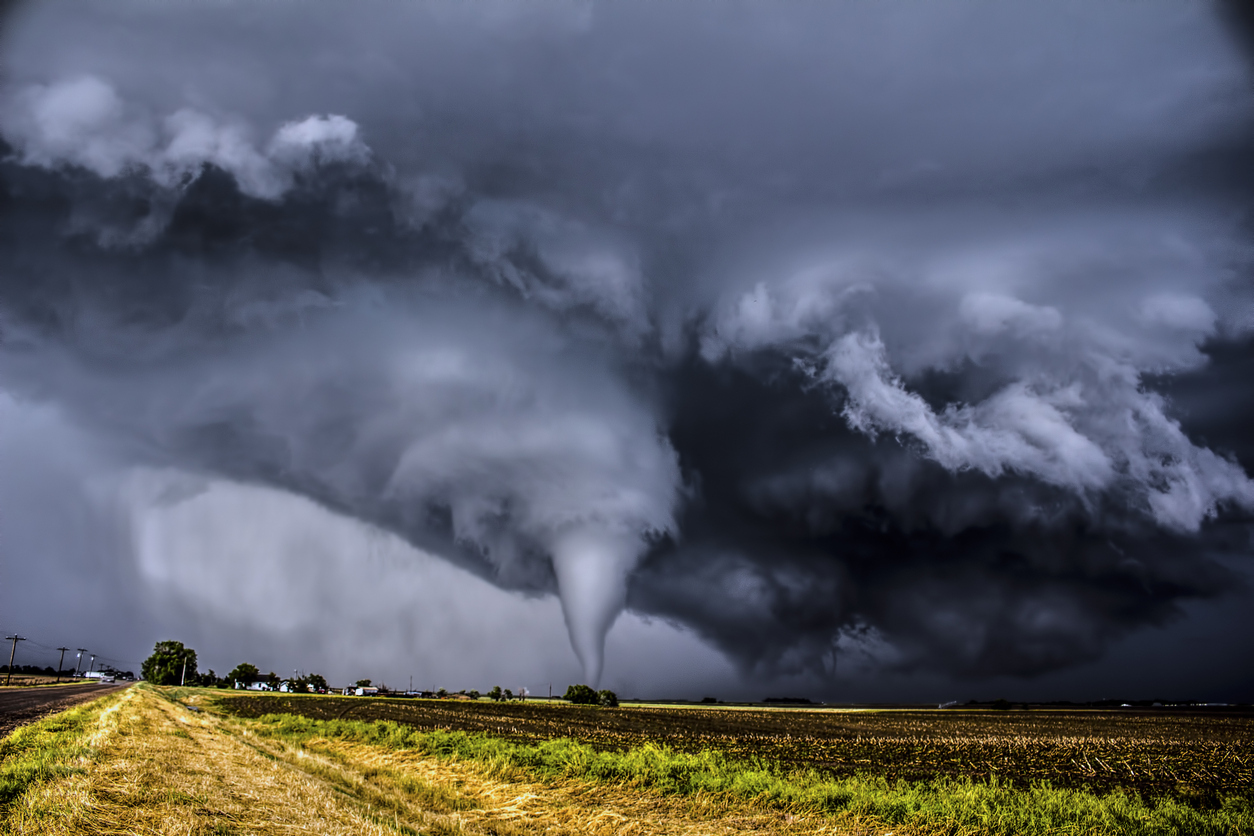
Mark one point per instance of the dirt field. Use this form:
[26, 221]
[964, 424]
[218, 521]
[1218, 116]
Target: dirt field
[1194, 756]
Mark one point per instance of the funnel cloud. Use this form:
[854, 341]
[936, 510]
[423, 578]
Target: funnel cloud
[849, 339]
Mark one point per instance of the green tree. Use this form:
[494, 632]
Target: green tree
[317, 681]
[166, 664]
[580, 695]
[244, 673]
[495, 693]
[507, 694]
[363, 683]
[473, 694]
[441, 693]
[607, 698]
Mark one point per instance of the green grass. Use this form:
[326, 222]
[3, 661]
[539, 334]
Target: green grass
[941, 806]
[47, 749]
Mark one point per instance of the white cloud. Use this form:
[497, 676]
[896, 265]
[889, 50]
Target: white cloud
[84, 122]
[1069, 407]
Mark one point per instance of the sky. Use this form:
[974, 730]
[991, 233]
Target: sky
[854, 351]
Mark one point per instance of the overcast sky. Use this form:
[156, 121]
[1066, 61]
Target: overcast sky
[858, 351]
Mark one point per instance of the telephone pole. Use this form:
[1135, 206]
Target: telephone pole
[183, 678]
[91, 664]
[15, 638]
[78, 660]
[61, 664]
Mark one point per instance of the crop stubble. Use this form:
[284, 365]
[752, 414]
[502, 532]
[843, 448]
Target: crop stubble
[1190, 755]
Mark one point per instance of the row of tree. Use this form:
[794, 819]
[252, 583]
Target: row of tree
[247, 674]
[49, 670]
[172, 664]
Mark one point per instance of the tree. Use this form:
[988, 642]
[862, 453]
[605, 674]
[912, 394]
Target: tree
[495, 693]
[507, 694]
[441, 693]
[317, 681]
[473, 694]
[244, 673]
[363, 683]
[580, 695]
[166, 664]
[607, 698]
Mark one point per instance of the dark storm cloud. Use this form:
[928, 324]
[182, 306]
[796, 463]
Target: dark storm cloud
[835, 330]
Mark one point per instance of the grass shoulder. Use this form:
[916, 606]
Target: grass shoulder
[49, 749]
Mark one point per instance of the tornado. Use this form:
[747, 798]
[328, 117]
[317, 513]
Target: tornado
[592, 567]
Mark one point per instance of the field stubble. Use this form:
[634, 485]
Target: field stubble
[1196, 757]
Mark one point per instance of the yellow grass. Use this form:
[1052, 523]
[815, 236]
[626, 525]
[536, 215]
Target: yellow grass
[25, 680]
[160, 768]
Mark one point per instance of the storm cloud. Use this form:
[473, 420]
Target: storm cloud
[914, 338]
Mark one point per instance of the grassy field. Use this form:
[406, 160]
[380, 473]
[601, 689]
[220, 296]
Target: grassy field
[198, 761]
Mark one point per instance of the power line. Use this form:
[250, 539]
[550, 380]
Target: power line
[15, 638]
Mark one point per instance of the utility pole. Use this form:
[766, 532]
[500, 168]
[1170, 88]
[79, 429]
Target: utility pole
[61, 664]
[183, 678]
[78, 660]
[92, 663]
[15, 638]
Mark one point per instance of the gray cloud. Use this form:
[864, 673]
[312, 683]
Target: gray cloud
[833, 332]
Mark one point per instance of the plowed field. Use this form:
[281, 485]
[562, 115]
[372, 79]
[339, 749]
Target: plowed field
[1197, 756]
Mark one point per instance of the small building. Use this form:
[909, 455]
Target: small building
[366, 692]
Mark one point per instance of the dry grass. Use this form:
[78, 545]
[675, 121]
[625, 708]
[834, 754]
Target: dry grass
[28, 680]
[160, 769]
[484, 803]
[155, 766]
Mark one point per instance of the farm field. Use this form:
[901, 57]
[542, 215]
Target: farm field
[203, 761]
[162, 761]
[1195, 757]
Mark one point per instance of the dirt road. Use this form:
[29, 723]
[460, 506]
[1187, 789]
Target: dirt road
[19, 706]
